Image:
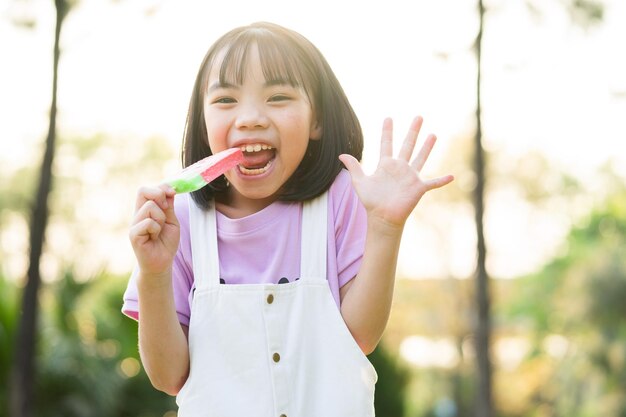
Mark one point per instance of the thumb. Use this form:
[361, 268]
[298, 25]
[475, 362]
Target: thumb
[353, 166]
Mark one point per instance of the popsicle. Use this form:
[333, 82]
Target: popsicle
[204, 171]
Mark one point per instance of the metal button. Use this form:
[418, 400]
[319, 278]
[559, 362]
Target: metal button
[276, 357]
[283, 415]
[270, 299]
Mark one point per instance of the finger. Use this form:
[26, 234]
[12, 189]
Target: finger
[170, 194]
[170, 214]
[411, 138]
[438, 182]
[153, 229]
[147, 229]
[150, 210]
[156, 194]
[422, 156]
[386, 139]
[169, 191]
[353, 166]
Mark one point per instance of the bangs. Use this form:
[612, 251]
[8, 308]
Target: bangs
[281, 62]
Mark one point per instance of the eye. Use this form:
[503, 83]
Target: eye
[224, 100]
[279, 97]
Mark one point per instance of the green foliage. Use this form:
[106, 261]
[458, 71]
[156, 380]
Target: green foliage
[578, 300]
[8, 330]
[586, 12]
[88, 363]
[389, 396]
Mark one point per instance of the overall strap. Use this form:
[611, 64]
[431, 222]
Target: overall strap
[314, 239]
[203, 232]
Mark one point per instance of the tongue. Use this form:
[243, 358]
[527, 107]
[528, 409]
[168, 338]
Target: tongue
[259, 159]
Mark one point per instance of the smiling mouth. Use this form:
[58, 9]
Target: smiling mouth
[257, 158]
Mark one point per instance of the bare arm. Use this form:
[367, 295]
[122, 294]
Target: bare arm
[366, 299]
[155, 234]
[162, 339]
[389, 195]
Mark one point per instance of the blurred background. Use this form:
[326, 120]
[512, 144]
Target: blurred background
[539, 331]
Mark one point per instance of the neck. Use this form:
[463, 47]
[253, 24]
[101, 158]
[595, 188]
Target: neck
[235, 206]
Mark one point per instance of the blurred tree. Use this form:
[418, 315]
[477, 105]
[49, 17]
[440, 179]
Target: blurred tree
[22, 376]
[79, 370]
[92, 171]
[482, 326]
[583, 12]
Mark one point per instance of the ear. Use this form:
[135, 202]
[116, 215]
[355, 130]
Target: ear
[315, 130]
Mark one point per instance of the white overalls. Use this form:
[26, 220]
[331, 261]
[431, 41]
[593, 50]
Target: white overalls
[271, 350]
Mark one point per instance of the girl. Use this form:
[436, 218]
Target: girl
[262, 293]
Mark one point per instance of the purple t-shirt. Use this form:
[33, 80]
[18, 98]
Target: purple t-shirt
[265, 246]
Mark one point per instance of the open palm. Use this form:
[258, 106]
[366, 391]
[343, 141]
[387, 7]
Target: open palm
[391, 193]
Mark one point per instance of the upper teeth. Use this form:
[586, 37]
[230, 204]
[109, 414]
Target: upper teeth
[254, 148]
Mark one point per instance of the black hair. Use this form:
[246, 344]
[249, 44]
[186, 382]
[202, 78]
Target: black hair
[285, 55]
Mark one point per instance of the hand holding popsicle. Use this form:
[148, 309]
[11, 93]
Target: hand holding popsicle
[155, 233]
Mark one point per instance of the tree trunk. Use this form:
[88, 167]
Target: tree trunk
[22, 374]
[483, 326]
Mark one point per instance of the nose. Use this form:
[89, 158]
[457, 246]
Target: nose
[251, 116]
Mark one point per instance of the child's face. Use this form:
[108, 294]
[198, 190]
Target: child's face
[272, 123]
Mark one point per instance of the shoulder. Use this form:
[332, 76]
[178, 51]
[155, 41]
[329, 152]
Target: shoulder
[341, 191]
[343, 202]
[341, 186]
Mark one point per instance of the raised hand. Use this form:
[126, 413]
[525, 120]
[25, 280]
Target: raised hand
[391, 193]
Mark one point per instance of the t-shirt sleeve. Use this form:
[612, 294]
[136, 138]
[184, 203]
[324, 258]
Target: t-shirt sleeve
[182, 271]
[350, 224]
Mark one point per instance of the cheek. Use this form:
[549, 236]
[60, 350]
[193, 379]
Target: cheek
[216, 133]
[298, 122]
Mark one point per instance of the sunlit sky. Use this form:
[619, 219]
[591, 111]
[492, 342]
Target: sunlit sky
[128, 66]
